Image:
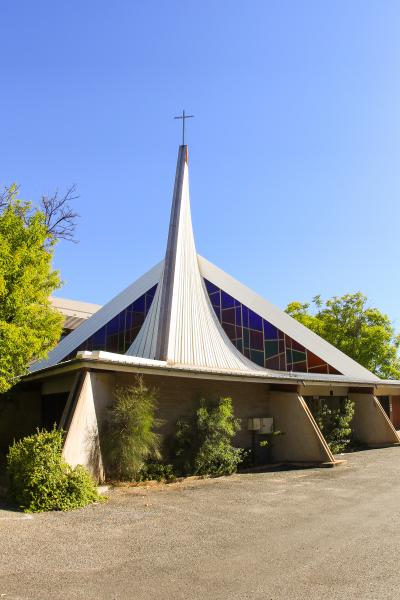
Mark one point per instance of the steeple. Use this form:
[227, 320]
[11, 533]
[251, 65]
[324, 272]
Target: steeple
[181, 326]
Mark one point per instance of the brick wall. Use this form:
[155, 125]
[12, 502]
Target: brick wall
[179, 396]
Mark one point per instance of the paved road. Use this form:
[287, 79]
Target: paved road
[312, 534]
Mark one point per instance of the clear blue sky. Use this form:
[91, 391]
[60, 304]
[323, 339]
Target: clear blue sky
[294, 149]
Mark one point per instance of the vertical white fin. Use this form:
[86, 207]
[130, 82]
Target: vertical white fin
[181, 326]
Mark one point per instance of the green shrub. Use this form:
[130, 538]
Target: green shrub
[335, 423]
[157, 471]
[185, 446]
[129, 437]
[203, 444]
[39, 478]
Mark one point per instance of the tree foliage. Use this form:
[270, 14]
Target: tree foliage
[335, 423]
[29, 326]
[348, 323]
[130, 440]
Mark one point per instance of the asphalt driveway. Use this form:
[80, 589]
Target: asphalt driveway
[317, 533]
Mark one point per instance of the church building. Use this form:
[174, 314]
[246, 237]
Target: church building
[192, 330]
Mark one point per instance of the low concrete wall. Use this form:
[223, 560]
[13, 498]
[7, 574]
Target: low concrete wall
[371, 425]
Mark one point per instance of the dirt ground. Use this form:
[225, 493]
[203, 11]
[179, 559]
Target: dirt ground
[300, 534]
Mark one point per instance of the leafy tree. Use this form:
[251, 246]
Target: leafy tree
[129, 437]
[29, 326]
[335, 423]
[363, 333]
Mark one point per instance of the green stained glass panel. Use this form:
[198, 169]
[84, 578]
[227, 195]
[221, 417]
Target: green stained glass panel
[257, 357]
[271, 349]
[298, 356]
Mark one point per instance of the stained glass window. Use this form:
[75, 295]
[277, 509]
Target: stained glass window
[259, 340]
[119, 333]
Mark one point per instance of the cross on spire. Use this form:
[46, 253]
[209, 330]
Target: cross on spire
[184, 116]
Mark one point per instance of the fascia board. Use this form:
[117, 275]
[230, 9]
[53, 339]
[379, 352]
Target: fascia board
[107, 361]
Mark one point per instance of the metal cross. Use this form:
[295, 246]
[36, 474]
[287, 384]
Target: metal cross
[183, 117]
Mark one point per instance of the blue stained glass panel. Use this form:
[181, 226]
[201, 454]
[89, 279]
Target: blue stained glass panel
[215, 299]
[98, 338]
[238, 311]
[255, 321]
[226, 300]
[211, 287]
[270, 331]
[140, 304]
[118, 334]
[245, 316]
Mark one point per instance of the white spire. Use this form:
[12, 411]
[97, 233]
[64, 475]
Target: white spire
[181, 326]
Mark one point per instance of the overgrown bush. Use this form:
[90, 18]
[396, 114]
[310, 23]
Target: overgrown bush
[335, 423]
[203, 444]
[157, 471]
[185, 445]
[129, 437]
[39, 478]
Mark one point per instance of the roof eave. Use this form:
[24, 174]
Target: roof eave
[107, 364]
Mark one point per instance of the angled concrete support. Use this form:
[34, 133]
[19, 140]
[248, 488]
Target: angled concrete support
[83, 418]
[302, 440]
[371, 425]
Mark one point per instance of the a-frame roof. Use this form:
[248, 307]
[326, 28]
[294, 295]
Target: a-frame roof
[181, 327]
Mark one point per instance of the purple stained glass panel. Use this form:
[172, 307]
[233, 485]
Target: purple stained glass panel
[256, 340]
[228, 315]
[230, 330]
[297, 346]
[301, 367]
[273, 363]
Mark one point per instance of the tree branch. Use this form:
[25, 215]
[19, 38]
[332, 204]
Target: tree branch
[60, 218]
